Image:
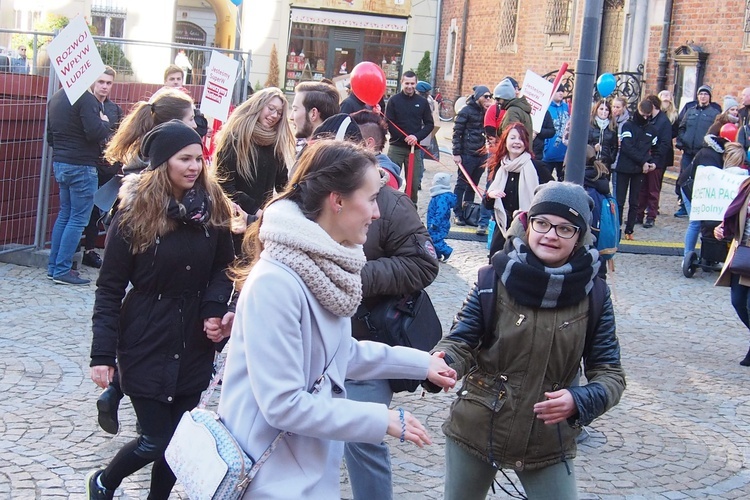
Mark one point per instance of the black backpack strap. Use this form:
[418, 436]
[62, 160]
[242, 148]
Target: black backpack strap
[487, 291]
[596, 305]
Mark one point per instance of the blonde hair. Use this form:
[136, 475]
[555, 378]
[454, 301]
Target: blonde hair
[667, 106]
[144, 216]
[237, 133]
[169, 104]
[734, 155]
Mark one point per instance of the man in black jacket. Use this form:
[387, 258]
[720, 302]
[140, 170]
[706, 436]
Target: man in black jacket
[470, 149]
[409, 122]
[75, 132]
[648, 201]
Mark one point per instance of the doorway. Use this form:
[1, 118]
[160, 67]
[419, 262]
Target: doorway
[344, 50]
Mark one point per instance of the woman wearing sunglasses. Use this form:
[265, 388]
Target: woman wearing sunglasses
[519, 407]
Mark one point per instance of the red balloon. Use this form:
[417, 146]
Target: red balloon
[729, 131]
[368, 82]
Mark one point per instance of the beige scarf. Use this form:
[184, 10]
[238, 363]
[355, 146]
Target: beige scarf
[527, 184]
[263, 136]
[330, 270]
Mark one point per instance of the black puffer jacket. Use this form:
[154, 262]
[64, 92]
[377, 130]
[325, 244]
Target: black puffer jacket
[468, 131]
[608, 142]
[399, 251]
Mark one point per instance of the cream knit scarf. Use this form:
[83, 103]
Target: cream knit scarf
[527, 184]
[330, 270]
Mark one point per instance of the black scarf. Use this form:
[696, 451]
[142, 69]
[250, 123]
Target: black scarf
[532, 284]
[194, 209]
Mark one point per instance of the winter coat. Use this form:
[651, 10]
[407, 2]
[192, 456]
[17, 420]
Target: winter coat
[517, 110]
[600, 185]
[735, 219]
[635, 147]
[468, 130]
[439, 215]
[694, 126]
[281, 342]
[156, 333]
[76, 131]
[547, 131]
[352, 104]
[712, 155]
[607, 140]
[400, 256]
[493, 417]
[412, 114]
[554, 149]
[270, 173]
[661, 150]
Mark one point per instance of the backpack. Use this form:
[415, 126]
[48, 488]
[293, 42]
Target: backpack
[605, 223]
[487, 291]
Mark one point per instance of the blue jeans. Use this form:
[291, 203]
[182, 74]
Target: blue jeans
[369, 465]
[469, 478]
[693, 230]
[485, 214]
[78, 184]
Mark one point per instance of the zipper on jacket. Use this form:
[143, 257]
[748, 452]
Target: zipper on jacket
[205, 229]
[521, 318]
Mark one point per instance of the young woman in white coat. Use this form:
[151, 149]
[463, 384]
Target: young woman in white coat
[292, 348]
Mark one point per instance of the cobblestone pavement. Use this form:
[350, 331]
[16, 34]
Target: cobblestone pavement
[680, 431]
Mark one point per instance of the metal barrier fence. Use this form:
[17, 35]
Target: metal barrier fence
[28, 197]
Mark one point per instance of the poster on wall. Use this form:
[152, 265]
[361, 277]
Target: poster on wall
[217, 92]
[387, 7]
[538, 92]
[75, 58]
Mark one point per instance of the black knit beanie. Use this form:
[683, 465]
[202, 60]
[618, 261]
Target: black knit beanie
[165, 140]
[564, 199]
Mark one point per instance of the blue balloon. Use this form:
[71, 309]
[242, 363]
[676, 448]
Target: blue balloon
[236, 2]
[606, 84]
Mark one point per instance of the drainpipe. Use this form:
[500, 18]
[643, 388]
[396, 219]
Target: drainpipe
[661, 78]
[436, 48]
[463, 49]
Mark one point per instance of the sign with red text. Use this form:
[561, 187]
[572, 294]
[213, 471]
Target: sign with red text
[75, 58]
[538, 92]
[217, 93]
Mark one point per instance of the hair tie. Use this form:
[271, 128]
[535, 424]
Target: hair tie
[152, 106]
[295, 187]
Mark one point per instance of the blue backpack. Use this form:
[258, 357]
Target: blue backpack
[605, 224]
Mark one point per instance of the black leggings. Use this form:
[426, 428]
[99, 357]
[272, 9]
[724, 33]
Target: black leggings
[158, 421]
[633, 183]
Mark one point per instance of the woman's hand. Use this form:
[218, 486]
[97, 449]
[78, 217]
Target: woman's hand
[439, 373]
[403, 425]
[217, 329]
[719, 232]
[496, 194]
[102, 375]
[238, 223]
[558, 407]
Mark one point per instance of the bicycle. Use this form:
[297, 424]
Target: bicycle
[446, 111]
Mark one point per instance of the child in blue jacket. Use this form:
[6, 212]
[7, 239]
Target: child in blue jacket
[439, 213]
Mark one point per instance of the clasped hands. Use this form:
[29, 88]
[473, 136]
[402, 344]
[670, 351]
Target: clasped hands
[217, 329]
[648, 167]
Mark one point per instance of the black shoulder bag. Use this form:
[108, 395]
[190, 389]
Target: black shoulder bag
[407, 320]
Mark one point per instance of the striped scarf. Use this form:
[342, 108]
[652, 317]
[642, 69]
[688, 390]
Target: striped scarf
[532, 284]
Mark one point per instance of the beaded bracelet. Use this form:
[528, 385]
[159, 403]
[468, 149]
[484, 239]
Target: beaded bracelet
[403, 424]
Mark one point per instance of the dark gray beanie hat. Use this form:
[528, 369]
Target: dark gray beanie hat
[564, 199]
[479, 91]
[505, 90]
[165, 140]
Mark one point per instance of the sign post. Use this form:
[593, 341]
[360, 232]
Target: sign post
[217, 93]
[75, 58]
[538, 92]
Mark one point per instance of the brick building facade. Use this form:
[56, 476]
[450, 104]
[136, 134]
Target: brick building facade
[508, 37]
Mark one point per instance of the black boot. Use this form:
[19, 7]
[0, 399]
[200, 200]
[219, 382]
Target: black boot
[108, 404]
[746, 361]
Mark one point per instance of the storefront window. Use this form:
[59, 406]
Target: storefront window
[318, 51]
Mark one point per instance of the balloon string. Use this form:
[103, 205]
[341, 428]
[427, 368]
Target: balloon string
[479, 191]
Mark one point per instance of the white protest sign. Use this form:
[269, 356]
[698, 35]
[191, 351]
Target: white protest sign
[713, 191]
[217, 93]
[75, 58]
[538, 92]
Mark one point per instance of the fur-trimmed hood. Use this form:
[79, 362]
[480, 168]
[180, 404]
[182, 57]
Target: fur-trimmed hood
[715, 142]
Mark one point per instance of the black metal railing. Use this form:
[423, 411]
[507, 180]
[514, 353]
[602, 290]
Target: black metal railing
[629, 85]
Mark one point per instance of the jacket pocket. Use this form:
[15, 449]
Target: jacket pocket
[485, 390]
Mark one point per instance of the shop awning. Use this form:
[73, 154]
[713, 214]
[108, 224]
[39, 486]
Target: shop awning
[346, 20]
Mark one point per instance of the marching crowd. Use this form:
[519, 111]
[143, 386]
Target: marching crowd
[278, 245]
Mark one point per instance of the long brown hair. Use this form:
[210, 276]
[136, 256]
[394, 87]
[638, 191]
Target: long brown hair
[611, 118]
[326, 166]
[144, 212]
[169, 104]
[500, 150]
[237, 133]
